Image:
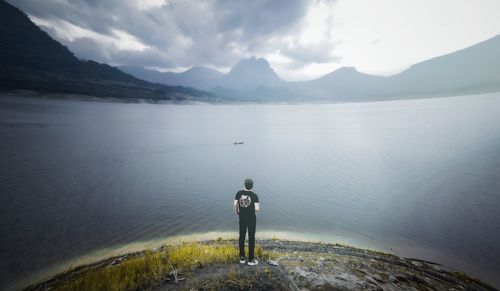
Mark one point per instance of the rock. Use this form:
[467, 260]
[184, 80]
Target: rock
[371, 280]
[319, 262]
[402, 278]
[378, 278]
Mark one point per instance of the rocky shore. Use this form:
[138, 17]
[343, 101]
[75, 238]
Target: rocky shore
[284, 265]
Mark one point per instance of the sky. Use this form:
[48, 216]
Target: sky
[302, 40]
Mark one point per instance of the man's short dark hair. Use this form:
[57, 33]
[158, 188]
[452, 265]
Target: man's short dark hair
[248, 184]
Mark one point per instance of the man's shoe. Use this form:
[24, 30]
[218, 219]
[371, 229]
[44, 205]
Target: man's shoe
[242, 260]
[253, 262]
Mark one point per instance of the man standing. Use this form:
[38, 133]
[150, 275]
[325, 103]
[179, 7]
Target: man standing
[246, 204]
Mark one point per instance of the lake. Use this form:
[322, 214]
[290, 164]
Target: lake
[81, 179]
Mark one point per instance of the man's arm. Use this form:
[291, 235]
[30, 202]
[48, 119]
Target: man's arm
[236, 206]
[257, 207]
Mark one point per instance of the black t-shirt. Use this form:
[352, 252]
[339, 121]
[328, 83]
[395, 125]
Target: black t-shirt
[246, 201]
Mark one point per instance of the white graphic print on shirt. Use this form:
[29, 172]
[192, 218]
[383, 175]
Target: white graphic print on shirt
[245, 201]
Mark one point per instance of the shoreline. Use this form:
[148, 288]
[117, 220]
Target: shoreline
[310, 265]
[79, 97]
[89, 98]
[138, 246]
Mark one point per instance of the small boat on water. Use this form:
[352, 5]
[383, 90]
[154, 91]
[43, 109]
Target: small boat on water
[238, 142]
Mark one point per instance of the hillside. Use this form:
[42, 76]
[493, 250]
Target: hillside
[30, 59]
[196, 77]
[473, 69]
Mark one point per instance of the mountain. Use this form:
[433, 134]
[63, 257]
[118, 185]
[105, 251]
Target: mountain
[249, 79]
[31, 59]
[473, 69]
[196, 77]
[250, 74]
[344, 83]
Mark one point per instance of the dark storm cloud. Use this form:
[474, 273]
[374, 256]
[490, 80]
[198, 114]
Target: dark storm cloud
[176, 33]
[258, 18]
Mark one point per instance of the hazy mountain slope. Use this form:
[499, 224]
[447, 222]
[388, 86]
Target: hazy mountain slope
[196, 77]
[31, 59]
[344, 83]
[470, 70]
[475, 68]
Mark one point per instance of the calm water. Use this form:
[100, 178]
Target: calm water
[420, 178]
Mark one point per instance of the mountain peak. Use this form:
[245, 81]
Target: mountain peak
[253, 63]
[202, 70]
[251, 73]
[346, 70]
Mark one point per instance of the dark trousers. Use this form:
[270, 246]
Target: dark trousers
[250, 223]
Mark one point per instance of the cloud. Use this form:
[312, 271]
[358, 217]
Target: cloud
[70, 32]
[149, 57]
[170, 34]
[260, 18]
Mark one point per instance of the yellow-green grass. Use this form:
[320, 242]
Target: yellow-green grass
[152, 267]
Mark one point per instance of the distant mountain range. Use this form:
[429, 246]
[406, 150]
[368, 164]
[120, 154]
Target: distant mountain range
[471, 70]
[248, 74]
[30, 59]
[197, 77]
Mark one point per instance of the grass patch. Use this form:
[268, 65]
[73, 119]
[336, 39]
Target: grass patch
[151, 268]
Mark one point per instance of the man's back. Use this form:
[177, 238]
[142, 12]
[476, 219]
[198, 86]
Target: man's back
[246, 202]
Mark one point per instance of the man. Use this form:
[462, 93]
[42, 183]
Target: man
[246, 204]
